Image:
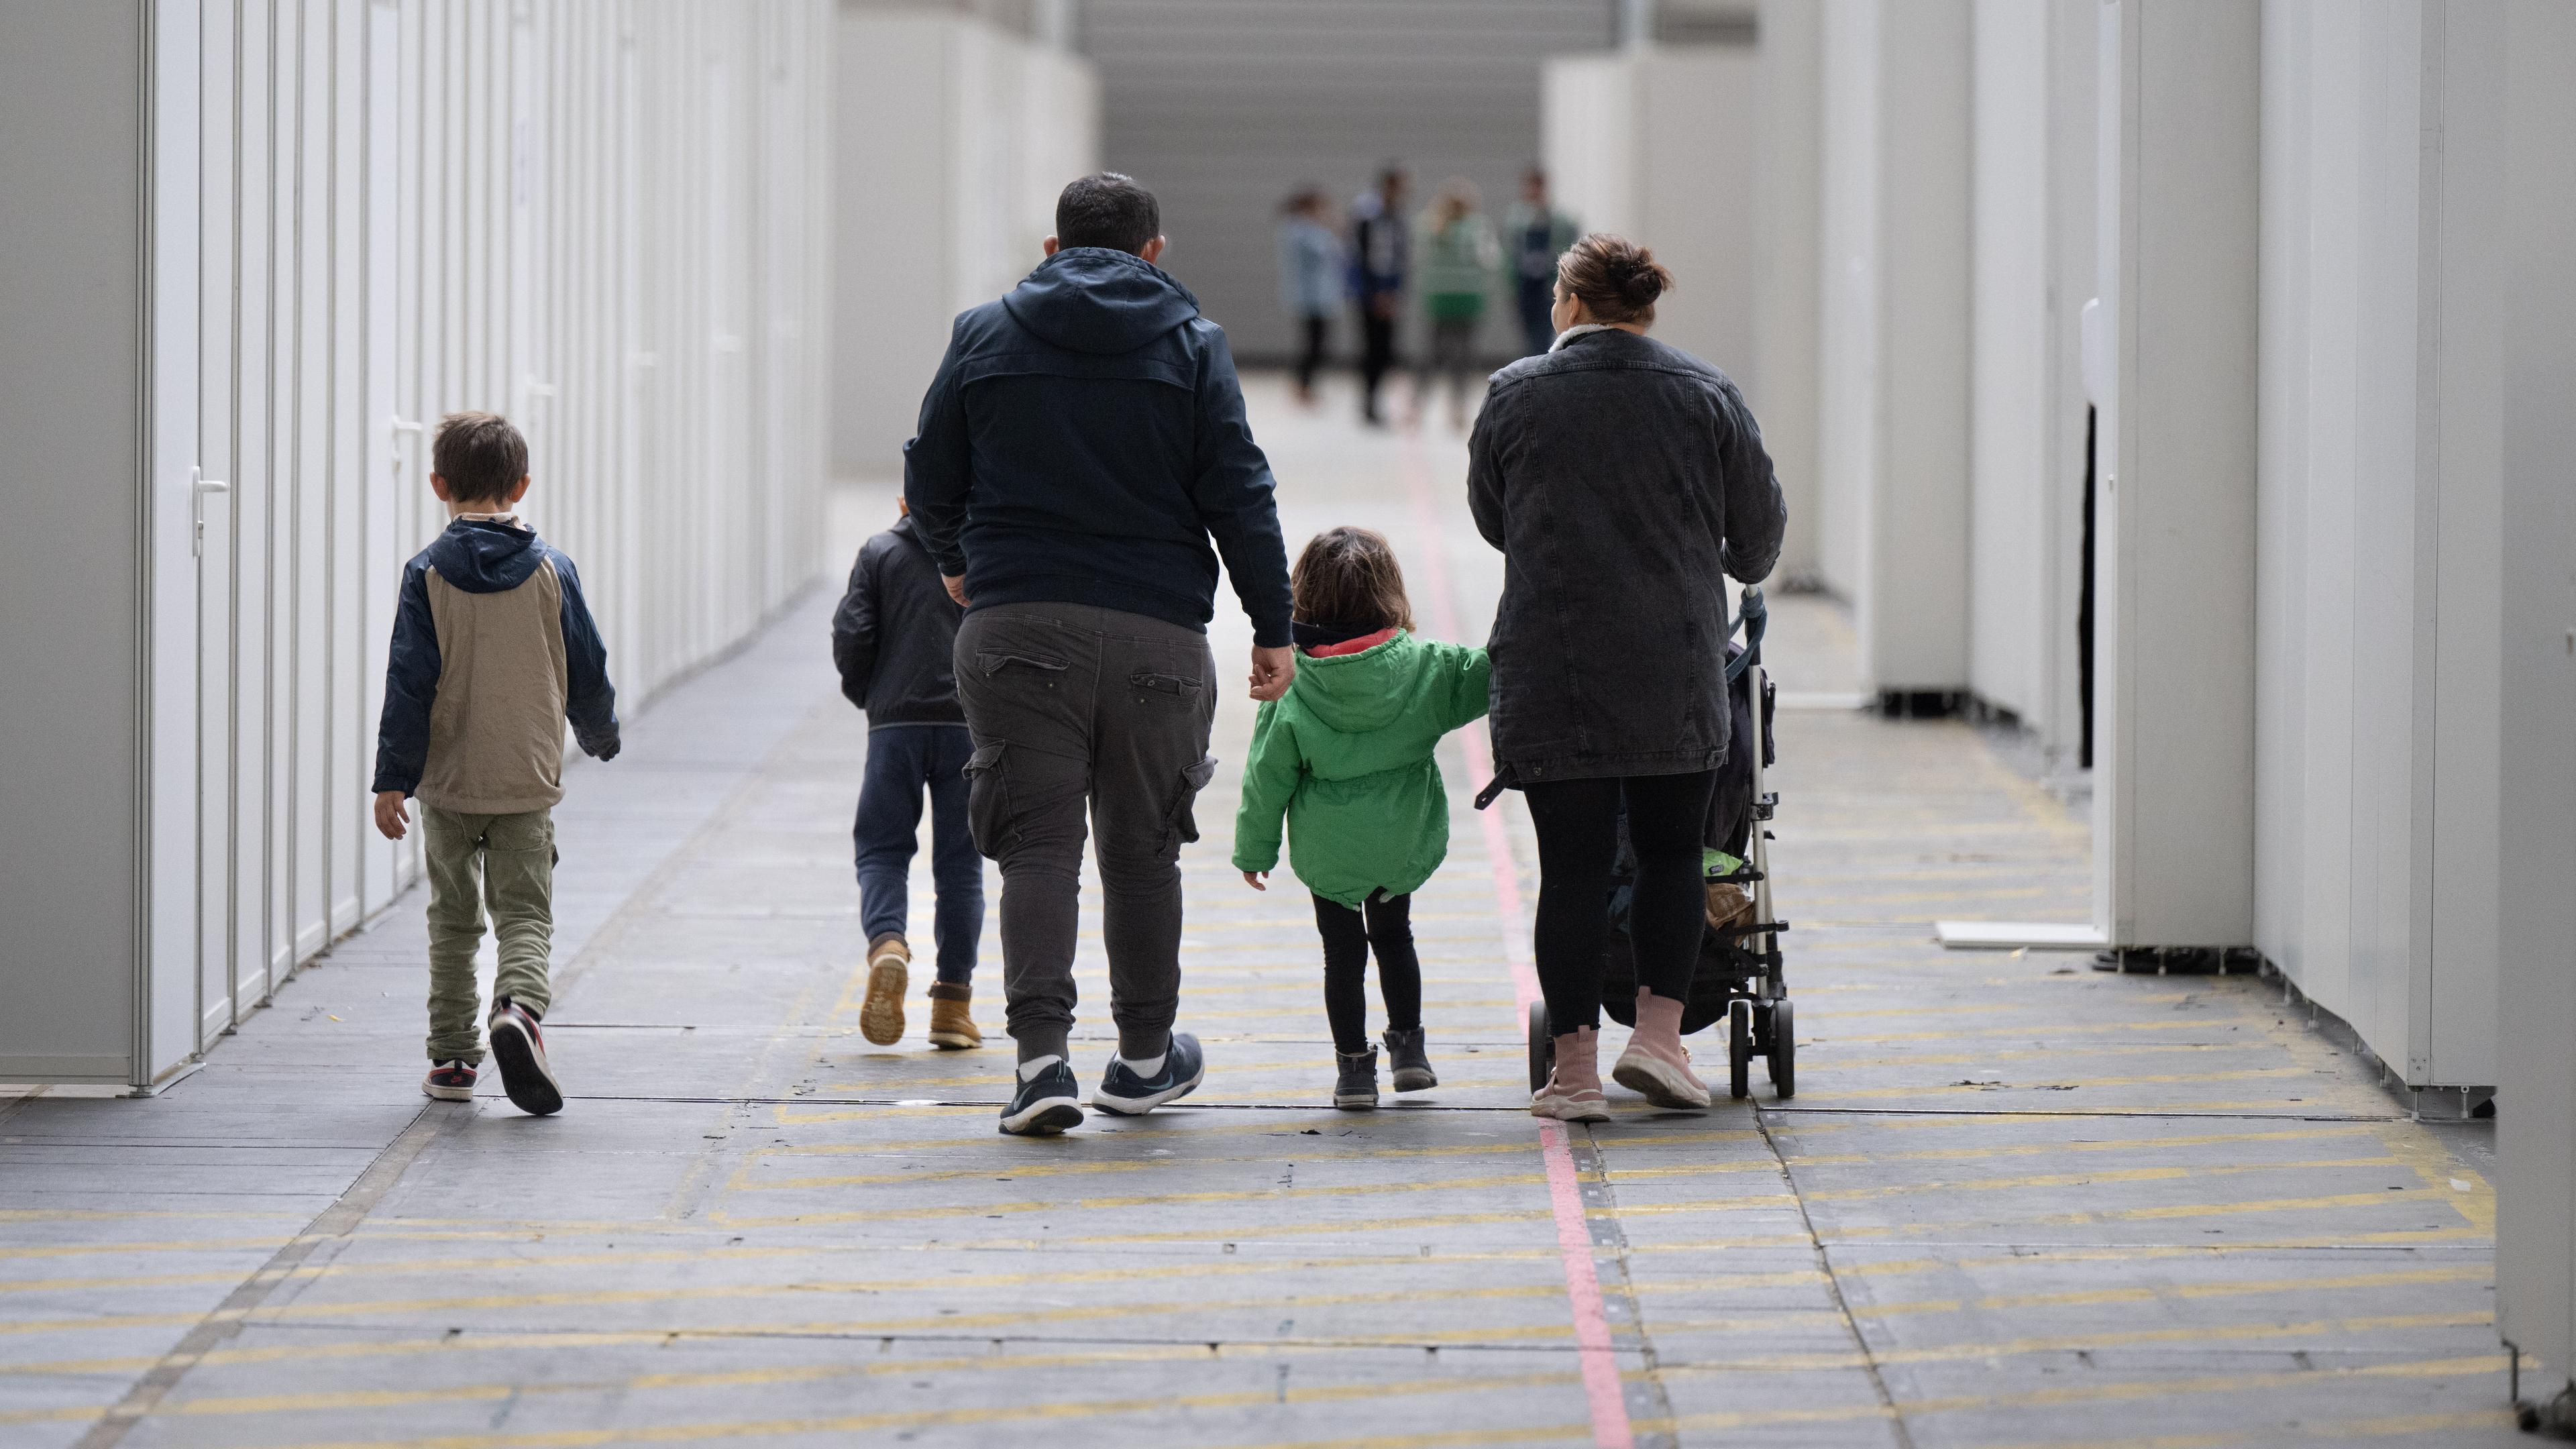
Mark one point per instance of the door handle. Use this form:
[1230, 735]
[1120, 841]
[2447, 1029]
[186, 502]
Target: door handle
[199, 485]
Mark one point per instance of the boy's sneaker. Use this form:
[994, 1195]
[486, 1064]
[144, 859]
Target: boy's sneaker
[1122, 1091]
[520, 1051]
[1355, 1089]
[1045, 1104]
[449, 1082]
[1412, 1064]
[952, 1017]
[881, 1015]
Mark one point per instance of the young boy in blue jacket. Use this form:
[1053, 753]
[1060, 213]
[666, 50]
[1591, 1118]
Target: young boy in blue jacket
[493, 649]
[894, 639]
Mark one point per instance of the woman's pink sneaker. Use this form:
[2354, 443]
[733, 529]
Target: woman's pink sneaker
[1573, 1091]
[1654, 1066]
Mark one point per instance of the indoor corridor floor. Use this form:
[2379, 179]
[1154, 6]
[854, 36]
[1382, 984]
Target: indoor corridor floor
[2014, 1202]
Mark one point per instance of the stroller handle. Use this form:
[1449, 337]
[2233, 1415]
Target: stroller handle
[1752, 620]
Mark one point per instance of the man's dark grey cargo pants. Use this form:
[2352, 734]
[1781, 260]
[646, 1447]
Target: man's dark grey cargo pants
[1071, 704]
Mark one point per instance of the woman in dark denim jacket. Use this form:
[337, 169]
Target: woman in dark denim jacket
[1622, 479]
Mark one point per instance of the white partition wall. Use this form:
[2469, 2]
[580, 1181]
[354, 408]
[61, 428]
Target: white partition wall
[1788, 210]
[2536, 1101]
[1893, 352]
[605, 219]
[2173, 814]
[2032, 272]
[2380, 532]
[954, 138]
[1658, 144]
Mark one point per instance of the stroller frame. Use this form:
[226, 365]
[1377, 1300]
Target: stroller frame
[1740, 980]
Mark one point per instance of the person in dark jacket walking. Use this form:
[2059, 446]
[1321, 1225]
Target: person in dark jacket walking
[1379, 246]
[894, 639]
[1623, 480]
[1082, 443]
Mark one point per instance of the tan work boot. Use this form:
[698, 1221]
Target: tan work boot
[952, 1024]
[881, 1015]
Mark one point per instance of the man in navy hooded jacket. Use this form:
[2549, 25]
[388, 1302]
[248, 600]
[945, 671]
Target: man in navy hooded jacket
[1082, 444]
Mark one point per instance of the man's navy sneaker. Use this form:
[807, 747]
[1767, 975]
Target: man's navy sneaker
[1124, 1092]
[1045, 1104]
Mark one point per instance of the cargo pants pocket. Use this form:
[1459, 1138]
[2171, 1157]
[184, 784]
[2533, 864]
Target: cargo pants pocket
[988, 800]
[1180, 823]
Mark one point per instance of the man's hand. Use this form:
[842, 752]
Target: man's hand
[389, 814]
[1252, 878]
[956, 587]
[1273, 670]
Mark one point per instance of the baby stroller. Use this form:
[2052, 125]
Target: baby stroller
[1739, 977]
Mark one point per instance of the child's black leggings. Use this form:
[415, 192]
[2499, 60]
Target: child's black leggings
[1578, 845]
[1385, 923]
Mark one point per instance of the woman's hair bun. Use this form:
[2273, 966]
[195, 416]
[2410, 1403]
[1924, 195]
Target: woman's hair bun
[1616, 279]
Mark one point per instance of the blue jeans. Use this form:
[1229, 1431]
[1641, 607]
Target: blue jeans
[902, 758]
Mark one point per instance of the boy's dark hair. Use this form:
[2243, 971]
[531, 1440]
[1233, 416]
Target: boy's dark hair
[1106, 209]
[480, 455]
[1349, 576]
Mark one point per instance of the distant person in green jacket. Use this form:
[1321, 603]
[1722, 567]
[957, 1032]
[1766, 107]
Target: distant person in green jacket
[1457, 259]
[1346, 758]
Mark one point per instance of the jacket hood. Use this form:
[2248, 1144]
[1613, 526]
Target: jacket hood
[1357, 693]
[1098, 300]
[484, 557]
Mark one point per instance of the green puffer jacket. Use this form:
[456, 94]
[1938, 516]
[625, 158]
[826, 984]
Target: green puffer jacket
[1346, 757]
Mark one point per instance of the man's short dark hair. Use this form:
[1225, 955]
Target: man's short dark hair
[480, 455]
[1107, 210]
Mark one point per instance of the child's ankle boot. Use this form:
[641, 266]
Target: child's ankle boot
[1655, 1066]
[1355, 1088]
[1573, 1091]
[1412, 1064]
[952, 1021]
[881, 1014]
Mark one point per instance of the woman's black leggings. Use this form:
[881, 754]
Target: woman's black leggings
[1578, 844]
[1385, 923]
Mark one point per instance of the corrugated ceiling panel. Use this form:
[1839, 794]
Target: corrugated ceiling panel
[1221, 106]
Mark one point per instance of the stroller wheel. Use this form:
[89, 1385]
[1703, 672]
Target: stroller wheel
[1739, 1048]
[1784, 1049]
[1542, 1046]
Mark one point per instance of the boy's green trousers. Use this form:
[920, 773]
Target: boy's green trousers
[507, 861]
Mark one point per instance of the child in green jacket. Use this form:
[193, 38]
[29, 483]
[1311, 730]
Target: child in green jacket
[1346, 757]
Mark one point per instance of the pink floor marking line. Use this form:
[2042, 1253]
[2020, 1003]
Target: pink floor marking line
[1601, 1389]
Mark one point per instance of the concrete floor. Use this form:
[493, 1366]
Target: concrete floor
[2017, 1202]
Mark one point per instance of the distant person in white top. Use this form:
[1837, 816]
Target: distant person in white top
[1310, 279]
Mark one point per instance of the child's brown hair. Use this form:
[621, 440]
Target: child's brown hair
[481, 456]
[1349, 576]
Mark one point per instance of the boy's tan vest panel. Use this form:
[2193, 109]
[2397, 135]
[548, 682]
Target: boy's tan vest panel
[496, 727]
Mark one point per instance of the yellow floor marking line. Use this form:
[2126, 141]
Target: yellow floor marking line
[2337, 1429]
[1993, 1184]
[744, 1378]
[693, 1293]
[2076, 1343]
[2479, 1273]
[2050, 1149]
[1326, 1148]
[2047, 1029]
[1441, 1438]
[1175, 1162]
[2052, 1053]
[2082, 1394]
[1167, 1199]
[877, 1423]
[180, 1245]
[1954, 1089]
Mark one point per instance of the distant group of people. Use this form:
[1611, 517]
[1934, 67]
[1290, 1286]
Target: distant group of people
[1029, 642]
[1449, 257]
